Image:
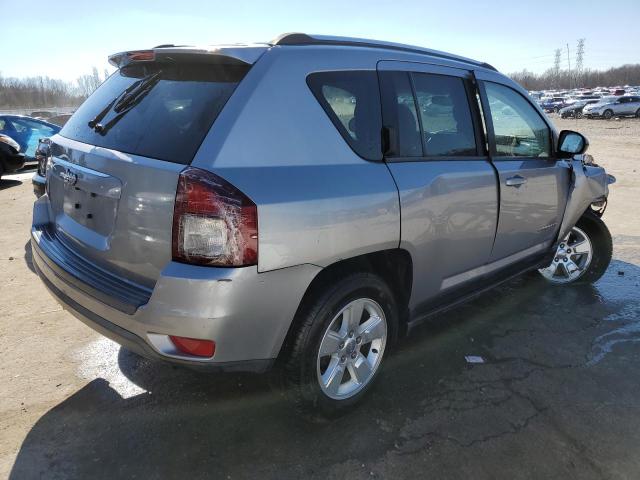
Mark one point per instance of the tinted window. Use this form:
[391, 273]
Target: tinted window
[170, 122]
[445, 114]
[399, 115]
[352, 102]
[519, 130]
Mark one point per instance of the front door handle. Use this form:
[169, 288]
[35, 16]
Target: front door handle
[516, 181]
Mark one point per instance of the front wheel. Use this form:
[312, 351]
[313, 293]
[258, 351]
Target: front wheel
[578, 114]
[608, 114]
[341, 340]
[583, 255]
[638, 113]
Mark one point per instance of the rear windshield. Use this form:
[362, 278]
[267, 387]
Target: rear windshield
[170, 121]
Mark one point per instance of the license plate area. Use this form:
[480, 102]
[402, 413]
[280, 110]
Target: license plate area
[84, 202]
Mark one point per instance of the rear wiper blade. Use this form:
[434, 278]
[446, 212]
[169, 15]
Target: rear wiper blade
[126, 104]
[125, 98]
[95, 120]
[133, 97]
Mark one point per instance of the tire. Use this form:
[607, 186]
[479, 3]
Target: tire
[607, 115]
[556, 110]
[592, 264]
[578, 114]
[638, 113]
[305, 368]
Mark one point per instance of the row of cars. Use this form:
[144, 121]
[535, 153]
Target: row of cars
[19, 138]
[598, 103]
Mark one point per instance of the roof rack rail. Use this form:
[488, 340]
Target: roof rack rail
[305, 39]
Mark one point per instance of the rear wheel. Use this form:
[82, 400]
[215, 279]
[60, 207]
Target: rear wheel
[607, 114]
[638, 113]
[578, 114]
[342, 338]
[583, 255]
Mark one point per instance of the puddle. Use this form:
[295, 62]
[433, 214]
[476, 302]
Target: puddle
[621, 284]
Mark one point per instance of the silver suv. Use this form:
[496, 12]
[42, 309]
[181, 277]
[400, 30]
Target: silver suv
[609, 107]
[305, 202]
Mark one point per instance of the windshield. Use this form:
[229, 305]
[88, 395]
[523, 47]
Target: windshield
[155, 110]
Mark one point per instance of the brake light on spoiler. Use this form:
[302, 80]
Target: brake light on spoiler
[124, 58]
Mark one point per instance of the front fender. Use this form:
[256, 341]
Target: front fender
[589, 184]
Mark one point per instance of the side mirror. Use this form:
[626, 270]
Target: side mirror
[571, 143]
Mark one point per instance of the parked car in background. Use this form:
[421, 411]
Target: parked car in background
[41, 114]
[39, 179]
[575, 108]
[554, 104]
[193, 219]
[10, 157]
[60, 120]
[614, 106]
[26, 131]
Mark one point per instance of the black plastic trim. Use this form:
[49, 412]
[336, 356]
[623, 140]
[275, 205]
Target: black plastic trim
[113, 291]
[304, 39]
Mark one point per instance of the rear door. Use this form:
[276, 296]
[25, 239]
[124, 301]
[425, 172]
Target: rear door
[115, 164]
[533, 185]
[448, 192]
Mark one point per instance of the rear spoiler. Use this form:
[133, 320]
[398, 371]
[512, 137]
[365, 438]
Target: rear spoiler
[232, 54]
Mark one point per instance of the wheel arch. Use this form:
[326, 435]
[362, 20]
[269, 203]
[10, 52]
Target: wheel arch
[394, 266]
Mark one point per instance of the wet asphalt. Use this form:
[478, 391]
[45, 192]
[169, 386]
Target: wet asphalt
[556, 397]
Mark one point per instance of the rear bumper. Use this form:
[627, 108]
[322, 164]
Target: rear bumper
[246, 313]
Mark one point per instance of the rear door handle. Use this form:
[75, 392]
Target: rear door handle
[516, 181]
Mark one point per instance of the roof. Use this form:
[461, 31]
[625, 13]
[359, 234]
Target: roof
[305, 39]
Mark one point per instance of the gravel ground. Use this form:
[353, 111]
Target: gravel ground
[557, 396]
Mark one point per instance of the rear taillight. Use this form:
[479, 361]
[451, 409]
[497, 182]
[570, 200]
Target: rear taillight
[214, 223]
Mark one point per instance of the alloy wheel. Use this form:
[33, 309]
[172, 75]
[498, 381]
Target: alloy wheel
[351, 349]
[573, 257]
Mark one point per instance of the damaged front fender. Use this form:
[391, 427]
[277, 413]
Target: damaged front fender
[589, 184]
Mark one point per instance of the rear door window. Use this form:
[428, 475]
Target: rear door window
[351, 99]
[445, 114]
[170, 121]
[400, 116]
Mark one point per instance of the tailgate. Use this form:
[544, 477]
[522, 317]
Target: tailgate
[114, 167]
[113, 209]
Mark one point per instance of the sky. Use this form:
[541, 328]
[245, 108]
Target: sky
[69, 39]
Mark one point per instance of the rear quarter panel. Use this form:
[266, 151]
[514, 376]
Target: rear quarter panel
[318, 201]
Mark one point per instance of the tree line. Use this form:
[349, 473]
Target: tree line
[587, 78]
[46, 92]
